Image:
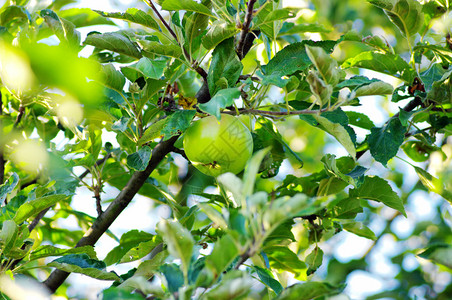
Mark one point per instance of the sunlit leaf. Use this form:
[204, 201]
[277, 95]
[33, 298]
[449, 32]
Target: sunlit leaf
[179, 241]
[133, 15]
[377, 189]
[35, 206]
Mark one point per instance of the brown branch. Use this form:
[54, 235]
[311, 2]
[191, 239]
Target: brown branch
[243, 258]
[38, 218]
[98, 202]
[103, 222]
[245, 29]
[19, 116]
[42, 213]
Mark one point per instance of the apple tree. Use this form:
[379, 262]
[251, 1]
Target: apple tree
[271, 130]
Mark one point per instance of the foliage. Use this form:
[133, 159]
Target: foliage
[298, 77]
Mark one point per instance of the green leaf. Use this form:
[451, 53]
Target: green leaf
[173, 275]
[151, 48]
[326, 66]
[14, 13]
[214, 215]
[188, 5]
[117, 42]
[153, 132]
[195, 27]
[338, 132]
[145, 67]
[233, 184]
[346, 209]
[8, 186]
[177, 123]
[374, 88]
[433, 184]
[282, 258]
[268, 136]
[115, 293]
[359, 229]
[331, 168]
[384, 142]
[439, 253]
[251, 170]
[223, 98]
[314, 260]
[83, 264]
[268, 18]
[418, 151]
[294, 58]
[356, 82]
[48, 250]
[234, 285]
[360, 120]
[282, 209]
[290, 28]
[8, 236]
[83, 17]
[407, 15]
[309, 290]
[377, 189]
[267, 278]
[150, 267]
[128, 241]
[265, 18]
[224, 64]
[218, 32]
[140, 251]
[319, 88]
[133, 15]
[224, 252]
[34, 207]
[140, 159]
[63, 29]
[179, 241]
[387, 63]
[113, 78]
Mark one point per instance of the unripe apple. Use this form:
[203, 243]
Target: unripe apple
[215, 147]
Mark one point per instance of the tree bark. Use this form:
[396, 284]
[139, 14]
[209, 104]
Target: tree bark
[103, 222]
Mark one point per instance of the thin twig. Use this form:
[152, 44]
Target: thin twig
[171, 31]
[198, 69]
[38, 218]
[245, 29]
[102, 223]
[2, 158]
[243, 258]
[277, 113]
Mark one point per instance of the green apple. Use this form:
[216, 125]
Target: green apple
[215, 147]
